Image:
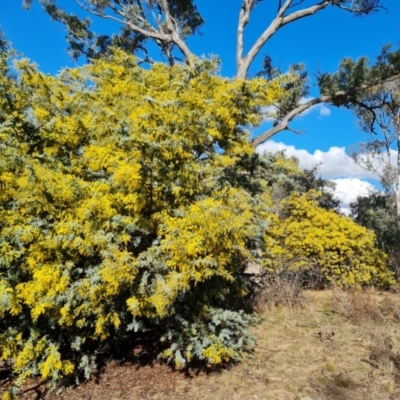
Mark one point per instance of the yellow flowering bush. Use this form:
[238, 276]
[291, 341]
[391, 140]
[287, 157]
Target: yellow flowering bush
[126, 203]
[308, 236]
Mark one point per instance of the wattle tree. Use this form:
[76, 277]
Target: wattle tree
[127, 203]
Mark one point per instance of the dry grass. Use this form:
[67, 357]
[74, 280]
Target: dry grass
[337, 345]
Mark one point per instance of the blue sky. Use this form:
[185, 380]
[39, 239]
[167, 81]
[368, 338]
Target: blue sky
[320, 41]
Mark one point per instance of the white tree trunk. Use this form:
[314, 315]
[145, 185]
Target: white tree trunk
[243, 63]
[396, 124]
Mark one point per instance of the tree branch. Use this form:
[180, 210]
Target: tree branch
[174, 33]
[372, 363]
[284, 123]
[151, 34]
[243, 64]
[284, 8]
[244, 17]
[171, 37]
[306, 12]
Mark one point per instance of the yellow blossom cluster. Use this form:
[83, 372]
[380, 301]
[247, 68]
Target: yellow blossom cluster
[117, 206]
[308, 236]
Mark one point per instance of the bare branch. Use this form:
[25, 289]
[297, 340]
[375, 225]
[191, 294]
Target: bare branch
[288, 4]
[372, 363]
[243, 64]
[159, 36]
[296, 4]
[372, 164]
[174, 33]
[305, 12]
[152, 34]
[284, 123]
[35, 386]
[157, 19]
[296, 131]
[244, 18]
[136, 28]
[115, 9]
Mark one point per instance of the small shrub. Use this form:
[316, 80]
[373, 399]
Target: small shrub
[383, 356]
[219, 336]
[365, 305]
[357, 304]
[276, 290]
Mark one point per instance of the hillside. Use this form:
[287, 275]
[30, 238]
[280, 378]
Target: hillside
[325, 345]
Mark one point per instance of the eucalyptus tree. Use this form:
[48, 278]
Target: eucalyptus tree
[377, 212]
[169, 23]
[378, 113]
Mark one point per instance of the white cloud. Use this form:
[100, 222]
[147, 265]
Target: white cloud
[268, 113]
[348, 189]
[322, 109]
[379, 162]
[335, 163]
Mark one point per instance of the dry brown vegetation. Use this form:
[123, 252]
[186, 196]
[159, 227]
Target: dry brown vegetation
[330, 344]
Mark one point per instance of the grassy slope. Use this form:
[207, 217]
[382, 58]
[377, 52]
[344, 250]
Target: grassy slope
[334, 345]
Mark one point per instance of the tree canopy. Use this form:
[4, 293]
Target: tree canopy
[169, 23]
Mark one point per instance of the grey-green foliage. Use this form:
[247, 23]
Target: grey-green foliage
[284, 176]
[297, 88]
[221, 335]
[353, 75]
[377, 110]
[377, 211]
[147, 16]
[378, 113]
